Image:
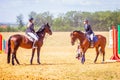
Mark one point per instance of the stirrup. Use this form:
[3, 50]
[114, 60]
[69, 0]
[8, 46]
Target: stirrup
[34, 47]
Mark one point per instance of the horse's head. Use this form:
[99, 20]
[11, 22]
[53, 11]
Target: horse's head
[45, 28]
[73, 36]
[77, 35]
[48, 29]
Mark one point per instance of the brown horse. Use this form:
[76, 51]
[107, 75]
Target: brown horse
[17, 40]
[99, 45]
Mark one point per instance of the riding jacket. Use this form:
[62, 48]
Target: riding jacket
[88, 29]
[30, 28]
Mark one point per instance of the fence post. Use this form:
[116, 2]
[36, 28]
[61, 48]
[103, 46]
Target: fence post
[4, 45]
[118, 39]
[110, 38]
[115, 45]
[0, 43]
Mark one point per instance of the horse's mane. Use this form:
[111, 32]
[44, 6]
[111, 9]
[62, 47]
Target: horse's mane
[78, 31]
[41, 29]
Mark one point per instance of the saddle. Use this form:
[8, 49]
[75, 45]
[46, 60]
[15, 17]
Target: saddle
[27, 39]
[95, 39]
[31, 39]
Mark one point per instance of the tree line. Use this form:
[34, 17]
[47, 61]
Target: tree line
[73, 20]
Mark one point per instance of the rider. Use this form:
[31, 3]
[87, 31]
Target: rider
[31, 32]
[88, 31]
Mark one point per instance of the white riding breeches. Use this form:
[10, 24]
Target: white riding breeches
[91, 36]
[33, 36]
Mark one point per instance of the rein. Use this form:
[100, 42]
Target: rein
[40, 31]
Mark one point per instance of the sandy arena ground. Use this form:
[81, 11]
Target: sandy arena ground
[58, 62]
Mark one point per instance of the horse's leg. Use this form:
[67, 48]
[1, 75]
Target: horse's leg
[16, 59]
[38, 55]
[103, 51]
[33, 51]
[15, 51]
[103, 57]
[13, 56]
[83, 54]
[97, 53]
[83, 58]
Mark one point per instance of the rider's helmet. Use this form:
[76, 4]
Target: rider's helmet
[30, 19]
[86, 21]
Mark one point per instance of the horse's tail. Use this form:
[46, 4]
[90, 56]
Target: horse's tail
[9, 51]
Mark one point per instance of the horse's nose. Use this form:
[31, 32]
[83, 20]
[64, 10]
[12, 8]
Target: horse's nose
[72, 43]
[50, 33]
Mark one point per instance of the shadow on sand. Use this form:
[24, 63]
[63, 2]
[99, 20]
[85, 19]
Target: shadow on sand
[43, 64]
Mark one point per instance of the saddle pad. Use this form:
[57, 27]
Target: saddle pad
[95, 38]
[28, 38]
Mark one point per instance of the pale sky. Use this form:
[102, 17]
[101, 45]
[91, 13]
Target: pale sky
[9, 9]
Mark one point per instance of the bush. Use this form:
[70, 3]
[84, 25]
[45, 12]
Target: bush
[66, 28]
[54, 28]
[8, 29]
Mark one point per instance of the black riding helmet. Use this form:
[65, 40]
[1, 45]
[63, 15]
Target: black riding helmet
[86, 20]
[31, 19]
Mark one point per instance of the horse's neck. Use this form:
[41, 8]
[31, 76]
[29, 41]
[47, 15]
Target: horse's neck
[41, 35]
[81, 37]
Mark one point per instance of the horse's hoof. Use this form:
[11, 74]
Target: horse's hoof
[13, 64]
[102, 62]
[18, 63]
[82, 62]
[39, 63]
[31, 62]
[94, 62]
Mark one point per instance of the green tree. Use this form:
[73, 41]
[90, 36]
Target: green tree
[59, 21]
[20, 20]
[42, 18]
[32, 14]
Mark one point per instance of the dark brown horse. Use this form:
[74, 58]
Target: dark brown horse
[99, 45]
[17, 40]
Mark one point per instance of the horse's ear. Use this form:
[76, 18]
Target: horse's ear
[47, 24]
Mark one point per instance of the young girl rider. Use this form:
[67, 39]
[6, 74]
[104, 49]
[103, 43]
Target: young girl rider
[31, 32]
